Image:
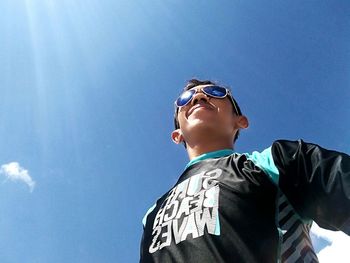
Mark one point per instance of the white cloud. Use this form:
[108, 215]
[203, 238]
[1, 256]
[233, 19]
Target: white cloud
[14, 172]
[338, 250]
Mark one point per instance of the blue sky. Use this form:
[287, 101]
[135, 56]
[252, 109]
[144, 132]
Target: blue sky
[86, 105]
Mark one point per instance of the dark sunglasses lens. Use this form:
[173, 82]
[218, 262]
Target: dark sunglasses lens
[185, 98]
[215, 91]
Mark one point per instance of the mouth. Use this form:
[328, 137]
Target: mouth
[200, 105]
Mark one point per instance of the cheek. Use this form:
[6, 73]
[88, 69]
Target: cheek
[181, 119]
[227, 117]
[229, 122]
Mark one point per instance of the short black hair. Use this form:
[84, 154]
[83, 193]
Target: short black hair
[195, 82]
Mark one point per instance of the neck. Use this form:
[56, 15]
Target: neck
[198, 149]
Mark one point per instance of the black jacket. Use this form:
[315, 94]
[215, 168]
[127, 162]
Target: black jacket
[250, 207]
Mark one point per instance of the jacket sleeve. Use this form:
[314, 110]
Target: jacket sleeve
[316, 182]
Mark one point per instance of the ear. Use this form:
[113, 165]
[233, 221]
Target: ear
[177, 136]
[243, 122]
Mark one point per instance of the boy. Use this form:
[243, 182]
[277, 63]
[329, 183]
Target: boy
[231, 207]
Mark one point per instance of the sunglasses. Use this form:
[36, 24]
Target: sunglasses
[211, 91]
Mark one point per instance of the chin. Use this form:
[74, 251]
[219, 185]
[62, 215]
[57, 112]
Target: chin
[203, 124]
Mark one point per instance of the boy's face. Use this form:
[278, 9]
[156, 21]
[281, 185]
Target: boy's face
[205, 114]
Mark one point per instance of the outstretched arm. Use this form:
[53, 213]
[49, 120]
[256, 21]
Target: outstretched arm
[316, 182]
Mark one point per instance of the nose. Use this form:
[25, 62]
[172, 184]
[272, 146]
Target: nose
[199, 95]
